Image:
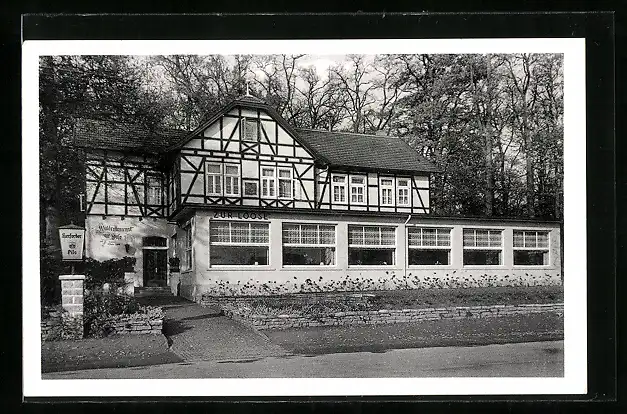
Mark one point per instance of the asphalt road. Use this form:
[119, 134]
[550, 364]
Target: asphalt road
[530, 359]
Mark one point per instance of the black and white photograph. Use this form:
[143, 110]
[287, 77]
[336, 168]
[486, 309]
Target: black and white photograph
[307, 212]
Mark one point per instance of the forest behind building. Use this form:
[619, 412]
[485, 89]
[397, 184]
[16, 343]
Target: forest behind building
[492, 123]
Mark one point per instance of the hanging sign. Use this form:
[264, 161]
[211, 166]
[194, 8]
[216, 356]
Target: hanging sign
[72, 239]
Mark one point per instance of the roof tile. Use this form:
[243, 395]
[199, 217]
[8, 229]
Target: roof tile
[378, 152]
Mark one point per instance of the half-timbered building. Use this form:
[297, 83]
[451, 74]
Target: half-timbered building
[250, 204]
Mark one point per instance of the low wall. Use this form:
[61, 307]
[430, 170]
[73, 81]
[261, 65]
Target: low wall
[51, 323]
[131, 324]
[375, 317]
[290, 299]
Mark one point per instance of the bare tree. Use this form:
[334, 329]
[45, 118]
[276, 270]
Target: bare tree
[356, 84]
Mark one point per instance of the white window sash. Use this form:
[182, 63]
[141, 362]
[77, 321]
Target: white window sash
[339, 186]
[290, 180]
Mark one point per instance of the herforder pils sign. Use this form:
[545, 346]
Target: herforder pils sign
[72, 239]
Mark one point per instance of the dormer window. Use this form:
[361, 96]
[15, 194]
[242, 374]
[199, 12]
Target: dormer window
[250, 130]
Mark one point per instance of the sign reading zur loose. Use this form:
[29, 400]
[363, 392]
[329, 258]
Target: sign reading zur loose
[72, 243]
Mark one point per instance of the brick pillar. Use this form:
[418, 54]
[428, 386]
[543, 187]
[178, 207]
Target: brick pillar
[72, 293]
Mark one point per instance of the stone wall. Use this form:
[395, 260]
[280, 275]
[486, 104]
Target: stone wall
[51, 323]
[296, 299]
[132, 324]
[374, 317]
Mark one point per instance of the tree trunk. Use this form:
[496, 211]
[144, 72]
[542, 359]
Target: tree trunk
[487, 130]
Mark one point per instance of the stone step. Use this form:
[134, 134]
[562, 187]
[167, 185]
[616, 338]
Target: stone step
[153, 291]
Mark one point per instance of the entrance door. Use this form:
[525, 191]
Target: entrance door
[155, 267]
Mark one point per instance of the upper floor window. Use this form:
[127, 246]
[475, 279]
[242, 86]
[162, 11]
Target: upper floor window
[531, 248]
[402, 191]
[358, 189]
[483, 247]
[339, 188]
[250, 130]
[231, 180]
[285, 183]
[387, 188]
[154, 193]
[219, 174]
[214, 178]
[268, 186]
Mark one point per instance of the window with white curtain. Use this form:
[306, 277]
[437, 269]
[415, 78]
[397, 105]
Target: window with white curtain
[239, 243]
[371, 245]
[285, 183]
[308, 244]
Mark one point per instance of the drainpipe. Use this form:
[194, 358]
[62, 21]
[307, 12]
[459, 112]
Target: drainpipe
[406, 249]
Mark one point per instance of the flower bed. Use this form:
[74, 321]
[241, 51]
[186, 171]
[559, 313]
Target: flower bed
[108, 314]
[303, 318]
[346, 308]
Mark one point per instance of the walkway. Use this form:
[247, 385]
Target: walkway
[197, 333]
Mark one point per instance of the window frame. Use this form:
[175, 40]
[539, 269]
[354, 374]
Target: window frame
[343, 185]
[250, 182]
[393, 247]
[407, 188]
[269, 180]
[533, 249]
[278, 183]
[449, 247]
[300, 224]
[212, 175]
[389, 188]
[187, 262]
[159, 186]
[245, 122]
[362, 186]
[231, 243]
[237, 177]
[501, 249]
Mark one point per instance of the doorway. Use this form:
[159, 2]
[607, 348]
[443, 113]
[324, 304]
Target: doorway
[155, 252]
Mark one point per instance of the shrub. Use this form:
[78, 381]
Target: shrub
[100, 307]
[51, 267]
[109, 271]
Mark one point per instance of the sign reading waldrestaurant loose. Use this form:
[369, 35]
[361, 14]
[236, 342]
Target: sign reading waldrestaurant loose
[72, 240]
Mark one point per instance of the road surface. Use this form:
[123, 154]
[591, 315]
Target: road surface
[530, 359]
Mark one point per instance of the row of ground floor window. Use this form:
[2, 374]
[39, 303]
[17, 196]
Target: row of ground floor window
[249, 243]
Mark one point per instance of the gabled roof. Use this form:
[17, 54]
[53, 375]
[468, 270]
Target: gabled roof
[248, 101]
[377, 152]
[116, 135]
[338, 149]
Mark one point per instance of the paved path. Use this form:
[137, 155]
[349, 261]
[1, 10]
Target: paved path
[531, 359]
[197, 333]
